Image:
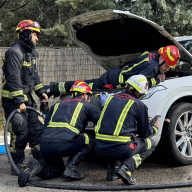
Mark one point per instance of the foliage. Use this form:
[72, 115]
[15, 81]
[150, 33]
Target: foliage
[174, 15]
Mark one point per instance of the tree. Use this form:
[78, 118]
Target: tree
[9, 10]
[174, 15]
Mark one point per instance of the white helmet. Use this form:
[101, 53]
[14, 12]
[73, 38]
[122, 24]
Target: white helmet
[139, 82]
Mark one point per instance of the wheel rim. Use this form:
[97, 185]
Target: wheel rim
[183, 134]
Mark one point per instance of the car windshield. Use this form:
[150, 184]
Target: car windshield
[185, 66]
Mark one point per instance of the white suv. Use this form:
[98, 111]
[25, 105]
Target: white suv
[114, 39]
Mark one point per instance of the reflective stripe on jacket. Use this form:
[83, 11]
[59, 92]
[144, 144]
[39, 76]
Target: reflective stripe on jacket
[122, 117]
[20, 76]
[67, 119]
[147, 64]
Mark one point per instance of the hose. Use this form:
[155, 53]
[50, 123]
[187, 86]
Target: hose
[83, 188]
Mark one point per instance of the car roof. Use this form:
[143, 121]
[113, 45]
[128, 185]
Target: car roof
[115, 38]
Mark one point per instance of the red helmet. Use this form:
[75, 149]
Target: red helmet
[28, 25]
[81, 87]
[170, 54]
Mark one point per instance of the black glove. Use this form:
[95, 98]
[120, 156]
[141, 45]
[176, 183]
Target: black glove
[44, 107]
[17, 120]
[152, 122]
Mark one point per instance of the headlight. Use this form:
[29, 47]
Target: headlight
[152, 90]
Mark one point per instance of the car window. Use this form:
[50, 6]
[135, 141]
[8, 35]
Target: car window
[185, 66]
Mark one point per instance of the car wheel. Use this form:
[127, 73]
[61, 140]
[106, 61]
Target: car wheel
[179, 133]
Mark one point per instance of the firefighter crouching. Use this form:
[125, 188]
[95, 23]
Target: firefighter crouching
[62, 137]
[117, 128]
[20, 79]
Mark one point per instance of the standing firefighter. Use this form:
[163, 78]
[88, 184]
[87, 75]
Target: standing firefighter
[62, 137]
[151, 65]
[117, 128]
[20, 79]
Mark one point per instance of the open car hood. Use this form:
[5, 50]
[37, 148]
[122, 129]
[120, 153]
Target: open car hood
[115, 38]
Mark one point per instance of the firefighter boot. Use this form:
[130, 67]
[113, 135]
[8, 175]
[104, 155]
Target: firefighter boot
[71, 167]
[125, 174]
[35, 151]
[18, 160]
[33, 168]
[111, 169]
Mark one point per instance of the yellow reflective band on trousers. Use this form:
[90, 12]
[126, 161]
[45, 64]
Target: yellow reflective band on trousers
[102, 113]
[91, 85]
[54, 110]
[86, 139]
[137, 159]
[122, 117]
[148, 144]
[61, 87]
[113, 138]
[63, 125]
[121, 78]
[16, 93]
[37, 87]
[156, 130]
[13, 138]
[76, 114]
[26, 64]
[153, 82]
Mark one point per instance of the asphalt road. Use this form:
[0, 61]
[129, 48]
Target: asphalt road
[153, 171]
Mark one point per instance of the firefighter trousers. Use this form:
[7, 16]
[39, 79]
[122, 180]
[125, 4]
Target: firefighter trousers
[30, 131]
[132, 153]
[53, 152]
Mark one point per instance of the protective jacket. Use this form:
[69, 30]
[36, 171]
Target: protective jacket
[147, 64]
[20, 76]
[120, 126]
[67, 119]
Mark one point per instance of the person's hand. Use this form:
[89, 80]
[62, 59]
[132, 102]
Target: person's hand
[155, 121]
[150, 118]
[103, 98]
[161, 77]
[45, 97]
[22, 107]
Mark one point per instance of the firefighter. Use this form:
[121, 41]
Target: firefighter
[152, 65]
[20, 79]
[63, 137]
[116, 132]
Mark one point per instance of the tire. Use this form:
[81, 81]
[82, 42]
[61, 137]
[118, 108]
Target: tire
[179, 133]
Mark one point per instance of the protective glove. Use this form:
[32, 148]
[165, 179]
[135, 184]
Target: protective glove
[153, 121]
[44, 107]
[103, 98]
[17, 120]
